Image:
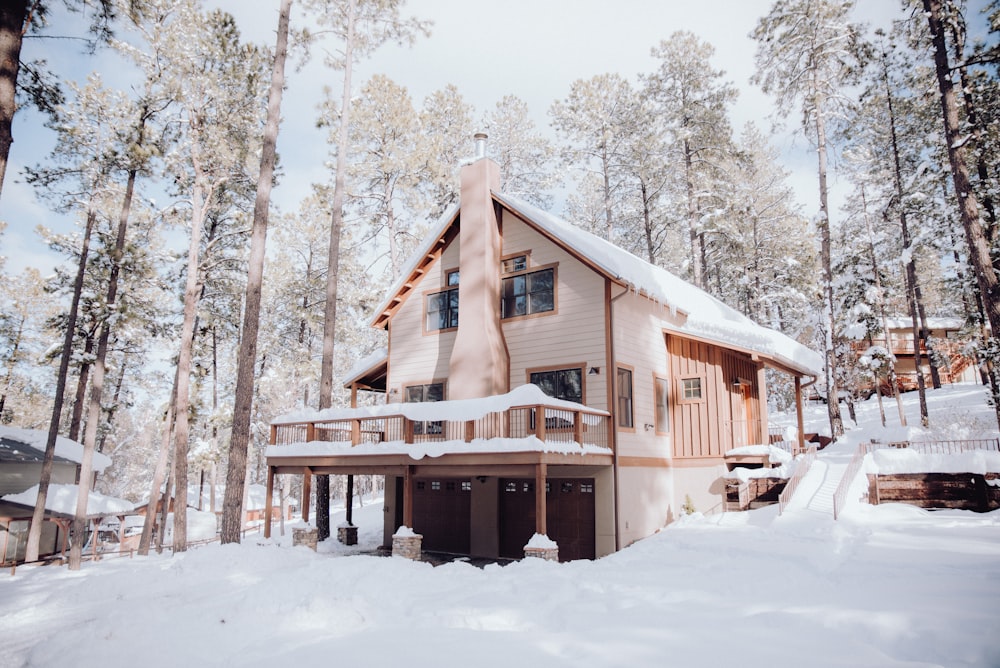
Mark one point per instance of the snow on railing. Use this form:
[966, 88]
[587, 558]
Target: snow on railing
[945, 447]
[801, 469]
[547, 423]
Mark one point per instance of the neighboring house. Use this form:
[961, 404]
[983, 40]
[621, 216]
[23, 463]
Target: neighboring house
[21, 454]
[955, 363]
[649, 382]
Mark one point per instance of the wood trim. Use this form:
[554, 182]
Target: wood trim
[631, 371]
[582, 366]
[554, 266]
[666, 380]
[649, 462]
[696, 462]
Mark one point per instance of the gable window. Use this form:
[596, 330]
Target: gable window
[691, 389]
[516, 263]
[624, 397]
[660, 387]
[528, 293]
[424, 393]
[561, 383]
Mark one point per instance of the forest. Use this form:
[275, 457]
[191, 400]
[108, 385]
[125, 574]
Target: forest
[187, 311]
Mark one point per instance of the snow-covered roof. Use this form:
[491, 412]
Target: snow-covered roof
[707, 317]
[932, 323]
[65, 448]
[366, 364]
[453, 410]
[62, 499]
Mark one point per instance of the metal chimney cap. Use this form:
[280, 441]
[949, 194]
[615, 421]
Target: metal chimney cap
[480, 139]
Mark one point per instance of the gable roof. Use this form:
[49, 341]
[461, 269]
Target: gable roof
[29, 445]
[704, 316]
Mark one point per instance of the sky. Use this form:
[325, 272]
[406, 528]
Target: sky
[888, 585]
[533, 49]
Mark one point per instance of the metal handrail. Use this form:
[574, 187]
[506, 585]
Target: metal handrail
[801, 470]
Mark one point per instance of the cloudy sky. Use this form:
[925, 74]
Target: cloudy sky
[533, 49]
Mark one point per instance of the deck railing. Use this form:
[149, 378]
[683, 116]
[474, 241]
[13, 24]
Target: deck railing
[801, 469]
[547, 423]
[942, 447]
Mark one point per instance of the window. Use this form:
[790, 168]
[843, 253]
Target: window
[517, 263]
[442, 310]
[562, 383]
[422, 393]
[525, 294]
[662, 415]
[624, 396]
[691, 389]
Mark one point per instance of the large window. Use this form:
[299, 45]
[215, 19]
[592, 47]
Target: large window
[525, 294]
[420, 393]
[562, 383]
[660, 387]
[442, 307]
[625, 413]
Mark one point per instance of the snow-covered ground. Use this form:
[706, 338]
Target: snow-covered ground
[886, 585]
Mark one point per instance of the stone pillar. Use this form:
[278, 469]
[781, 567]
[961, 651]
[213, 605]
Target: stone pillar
[347, 534]
[308, 537]
[406, 543]
[542, 547]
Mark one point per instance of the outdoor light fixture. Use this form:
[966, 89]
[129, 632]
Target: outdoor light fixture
[594, 371]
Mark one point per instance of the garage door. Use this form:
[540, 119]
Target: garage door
[442, 511]
[569, 516]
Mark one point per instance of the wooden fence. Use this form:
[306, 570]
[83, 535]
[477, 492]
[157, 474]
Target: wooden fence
[947, 447]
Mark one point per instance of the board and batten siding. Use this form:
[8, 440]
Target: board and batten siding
[721, 419]
[415, 355]
[574, 334]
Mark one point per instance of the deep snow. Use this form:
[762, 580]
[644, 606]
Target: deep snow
[886, 585]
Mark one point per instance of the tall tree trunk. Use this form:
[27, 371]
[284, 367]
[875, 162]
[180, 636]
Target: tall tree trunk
[833, 337]
[912, 287]
[232, 511]
[109, 415]
[968, 205]
[97, 383]
[37, 517]
[333, 263]
[76, 420]
[12, 23]
[697, 269]
[159, 473]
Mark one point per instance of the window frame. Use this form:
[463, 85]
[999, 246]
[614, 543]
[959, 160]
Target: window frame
[580, 368]
[682, 396]
[426, 427]
[664, 382]
[554, 268]
[619, 414]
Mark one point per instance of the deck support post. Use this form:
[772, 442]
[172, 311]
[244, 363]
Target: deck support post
[408, 497]
[306, 492]
[541, 526]
[349, 502]
[268, 500]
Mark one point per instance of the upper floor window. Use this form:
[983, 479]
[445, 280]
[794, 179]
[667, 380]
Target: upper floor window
[560, 383]
[525, 294]
[516, 263]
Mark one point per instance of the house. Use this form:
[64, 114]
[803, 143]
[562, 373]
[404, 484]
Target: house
[541, 380]
[955, 363]
[21, 455]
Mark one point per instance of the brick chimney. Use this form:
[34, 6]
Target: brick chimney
[479, 364]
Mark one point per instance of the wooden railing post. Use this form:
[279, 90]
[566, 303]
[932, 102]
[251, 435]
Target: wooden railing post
[274, 435]
[540, 423]
[578, 427]
[355, 431]
[470, 430]
[310, 432]
[407, 430]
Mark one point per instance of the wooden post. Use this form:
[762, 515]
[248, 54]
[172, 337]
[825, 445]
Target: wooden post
[407, 431]
[578, 427]
[306, 492]
[470, 430]
[798, 413]
[310, 432]
[355, 431]
[273, 439]
[540, 423]
[408, 496]
[268, 500]
[541, 526]
[349, 503]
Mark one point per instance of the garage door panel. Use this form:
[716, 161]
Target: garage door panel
[442, 514]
